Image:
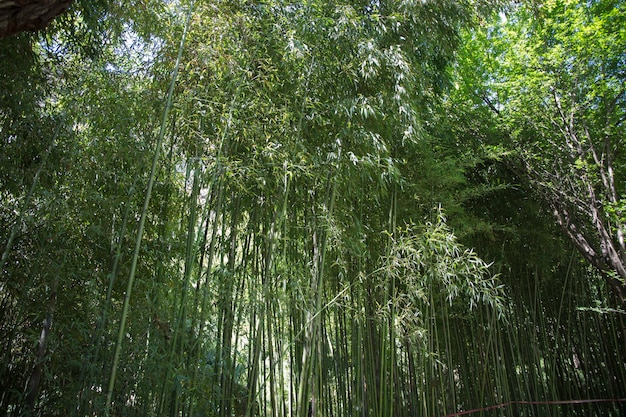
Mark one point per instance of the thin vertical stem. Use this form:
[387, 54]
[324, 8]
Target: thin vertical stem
[142, 220]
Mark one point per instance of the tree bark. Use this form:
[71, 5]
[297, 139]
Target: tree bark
[29, 15]
[584, 222]
[34, 384]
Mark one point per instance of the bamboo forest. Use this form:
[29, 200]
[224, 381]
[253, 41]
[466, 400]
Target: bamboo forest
[359, 208]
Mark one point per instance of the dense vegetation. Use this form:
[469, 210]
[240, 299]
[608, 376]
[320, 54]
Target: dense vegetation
[388, 208]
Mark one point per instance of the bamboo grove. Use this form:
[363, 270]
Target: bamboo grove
[238, 208]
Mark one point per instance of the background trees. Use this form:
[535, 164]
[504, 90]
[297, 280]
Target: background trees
[554, 78]
[304, 246]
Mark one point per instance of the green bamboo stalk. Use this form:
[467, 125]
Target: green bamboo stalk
[392, 314]
[208, 253]
[312, 349]
[179, 340]
[142, 220]
[227, 307]
[189, 253]
[87, 376]
[271, 312]
[382, 380]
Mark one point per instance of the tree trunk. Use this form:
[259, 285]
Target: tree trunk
[34, 384]
[29, 15]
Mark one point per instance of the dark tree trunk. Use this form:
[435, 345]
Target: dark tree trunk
[34, 384]
[29, 15]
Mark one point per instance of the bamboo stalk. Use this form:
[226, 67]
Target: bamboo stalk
[142, 220]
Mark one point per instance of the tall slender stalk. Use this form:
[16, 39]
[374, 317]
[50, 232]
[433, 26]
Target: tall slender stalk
[142, 220]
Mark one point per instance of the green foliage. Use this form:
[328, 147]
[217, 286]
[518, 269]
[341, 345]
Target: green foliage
[554, 87]
[429, 265]
[282, 265]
